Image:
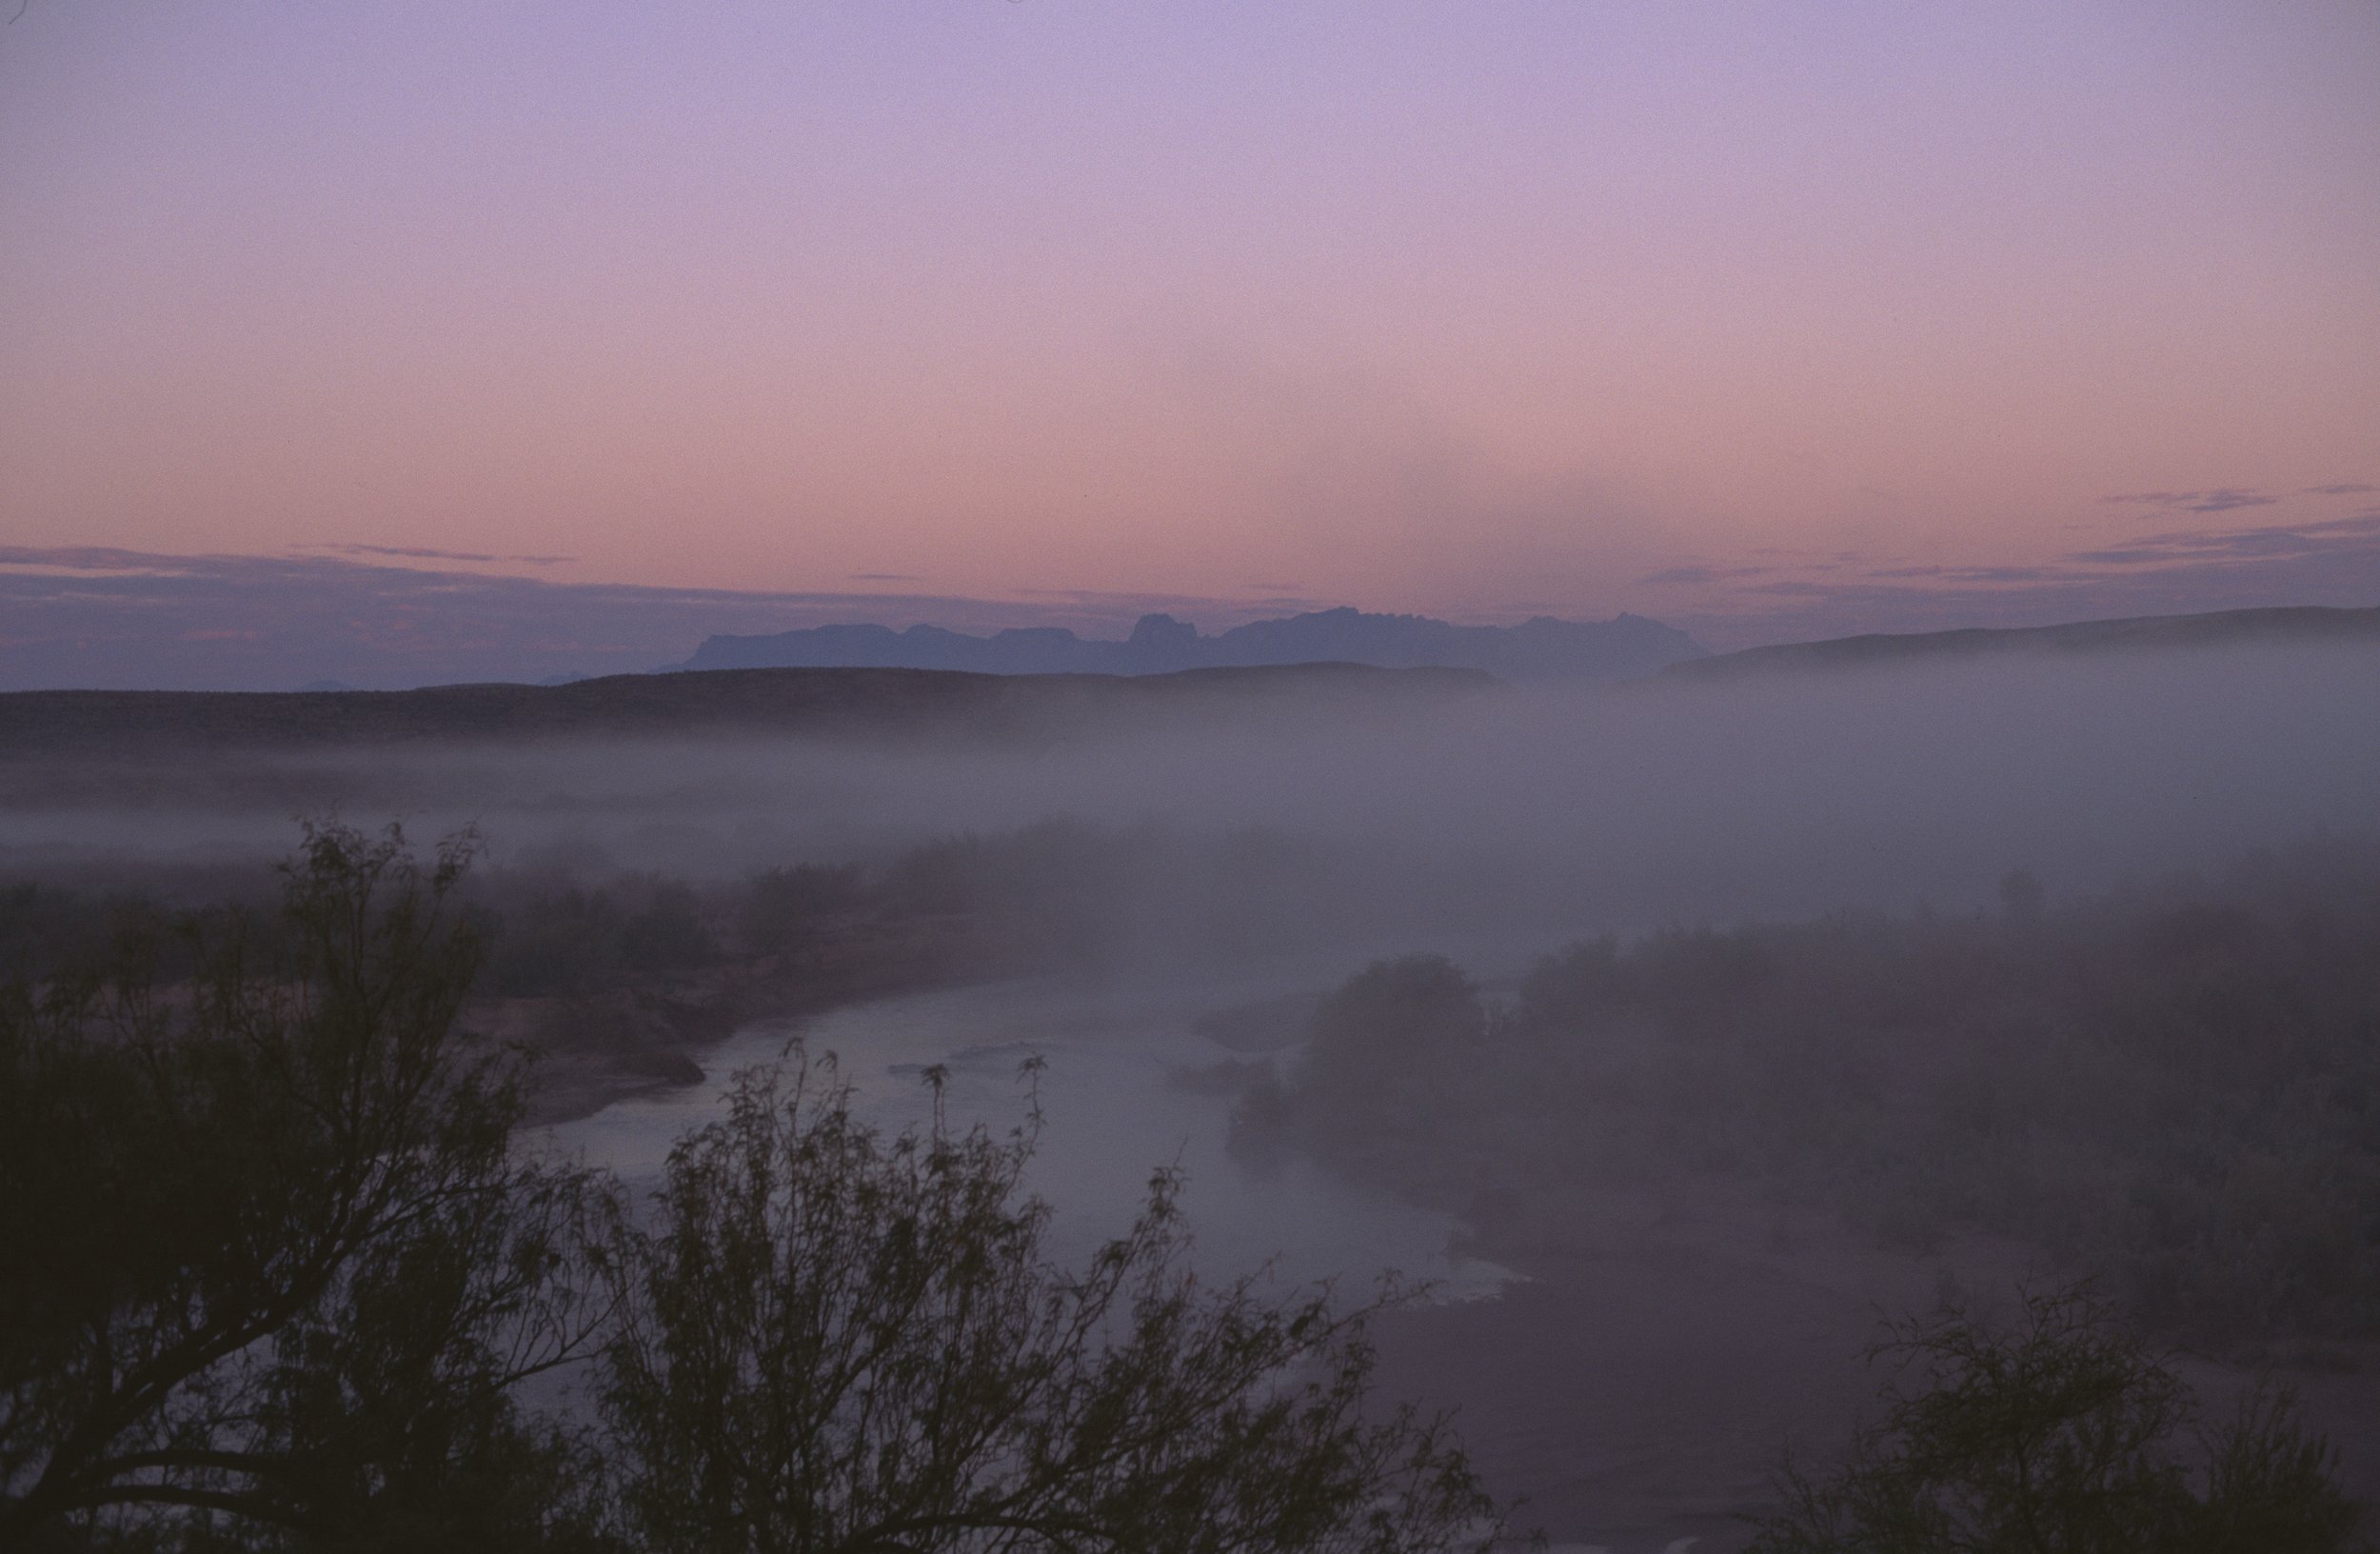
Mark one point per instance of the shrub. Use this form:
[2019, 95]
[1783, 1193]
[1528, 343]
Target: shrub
[2059, 1434]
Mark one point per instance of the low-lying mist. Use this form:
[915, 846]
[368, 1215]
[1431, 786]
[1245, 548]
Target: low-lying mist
[1540, 813]
[1698, 1022]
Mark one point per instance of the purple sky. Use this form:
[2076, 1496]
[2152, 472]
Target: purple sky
[400, 343]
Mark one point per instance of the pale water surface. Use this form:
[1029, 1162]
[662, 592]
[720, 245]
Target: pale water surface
[1112, 1114]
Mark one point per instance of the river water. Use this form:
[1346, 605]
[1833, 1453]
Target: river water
[1114, 1110]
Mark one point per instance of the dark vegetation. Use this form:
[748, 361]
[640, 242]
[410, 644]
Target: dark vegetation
[616, 978]
[2177, 1090]
[275, 1276]
[1059, 895]
[2177, 1087]
[630, 973]
[2058, 1432]
[270, 1259]
[278, 1269]
[829, 1339]
[564, 938]
[865, 705]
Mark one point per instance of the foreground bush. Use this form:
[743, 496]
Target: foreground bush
[835, 1339]
[2060, 1434]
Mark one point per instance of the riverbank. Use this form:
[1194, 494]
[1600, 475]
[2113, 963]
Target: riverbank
[651, 1036]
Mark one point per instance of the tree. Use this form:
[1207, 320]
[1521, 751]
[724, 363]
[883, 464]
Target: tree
[276, 1267]
[1389, 1067]
[2059, 1435]
[839, 1343]
[271, 1259]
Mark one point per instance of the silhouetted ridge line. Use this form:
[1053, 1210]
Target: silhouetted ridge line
[2218, 629]
[1625, 646]
[860, 704]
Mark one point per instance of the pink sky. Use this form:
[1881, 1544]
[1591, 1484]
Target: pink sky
[1477, 310]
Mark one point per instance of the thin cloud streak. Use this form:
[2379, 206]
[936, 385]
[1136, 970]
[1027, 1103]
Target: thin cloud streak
[1674, 575]
[2224, 499]
[2335, 561]
[415, 552]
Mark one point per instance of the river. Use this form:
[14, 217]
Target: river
[1114, 1109]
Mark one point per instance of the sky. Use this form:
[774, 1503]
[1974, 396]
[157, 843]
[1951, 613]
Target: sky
[449, 338]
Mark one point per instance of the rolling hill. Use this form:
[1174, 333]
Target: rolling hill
[2294, 625]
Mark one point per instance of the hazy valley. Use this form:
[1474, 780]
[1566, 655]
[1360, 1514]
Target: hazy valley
[1724, 1013]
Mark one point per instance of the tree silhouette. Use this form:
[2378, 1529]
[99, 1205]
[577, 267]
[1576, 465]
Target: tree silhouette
[277, 1266]
[270, 1255]
[835, 1341]
[2060, 1434]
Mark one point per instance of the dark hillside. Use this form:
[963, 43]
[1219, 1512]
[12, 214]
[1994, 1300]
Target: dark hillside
[853, 704]
[2297, 625]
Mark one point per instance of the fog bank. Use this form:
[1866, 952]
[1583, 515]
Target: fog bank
[1543, 812]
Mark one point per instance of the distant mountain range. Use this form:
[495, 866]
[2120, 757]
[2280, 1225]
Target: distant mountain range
[1432, 664]
[1542, 649]
[2216, 629]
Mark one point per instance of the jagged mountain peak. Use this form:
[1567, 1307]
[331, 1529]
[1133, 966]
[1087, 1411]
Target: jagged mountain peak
[1542, 647]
